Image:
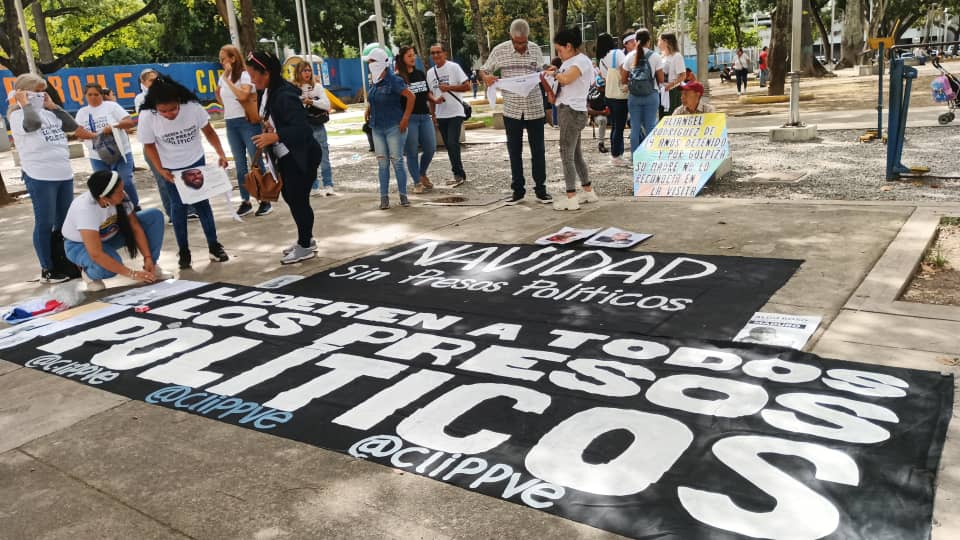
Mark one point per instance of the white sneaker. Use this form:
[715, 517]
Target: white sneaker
[93, 285]
[316, 192]
[313, 246]
[298, 254]
[160, 274]
[565, 203]
[587, 197]
[328, 191]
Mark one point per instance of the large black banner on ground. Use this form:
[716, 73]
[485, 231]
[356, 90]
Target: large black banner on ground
[646, 437]
[663, 294]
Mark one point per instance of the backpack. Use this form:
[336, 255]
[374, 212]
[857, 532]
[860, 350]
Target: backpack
[614, 89]
[595, 99]
[641, 81]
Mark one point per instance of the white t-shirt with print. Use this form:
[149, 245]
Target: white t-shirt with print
[179, 140]
[655, 61]
[673, 67]
[574, 94]
[451, 74]
[231, 106]
[86, 214]
[44, 154]
[107, 113]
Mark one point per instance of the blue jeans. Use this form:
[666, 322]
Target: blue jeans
[124, 168]
[179, 217]
[240, 135]
[51, 200]
[450, 133]
[514, 128]
[326, 171]
[420, 133]
[152, 223]
[643, 118]
[617, 122]
[162, 189]
[388, 144]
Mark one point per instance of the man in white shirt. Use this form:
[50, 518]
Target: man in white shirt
[445, 80]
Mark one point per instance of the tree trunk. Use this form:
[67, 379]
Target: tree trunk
[479, 31]
[779, 47]
[851, 45]
[443, 23]
[738, 19]
[809, 65]
[10, 42]
[561, 14]
[248, 28]
[821, 28]
[5, 197]
[44, 50]
[618, 19]
[416, 28]
[648, 16]
[879, 11]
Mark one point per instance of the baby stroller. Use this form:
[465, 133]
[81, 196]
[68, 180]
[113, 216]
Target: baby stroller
[946, 89]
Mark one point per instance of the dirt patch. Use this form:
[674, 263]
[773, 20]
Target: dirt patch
[938, 280]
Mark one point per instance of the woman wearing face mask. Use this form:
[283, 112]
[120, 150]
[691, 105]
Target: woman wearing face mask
[288, 146]
[39, 128]
[235, 87]
[105, 118]
[171, 121]
[389, 116]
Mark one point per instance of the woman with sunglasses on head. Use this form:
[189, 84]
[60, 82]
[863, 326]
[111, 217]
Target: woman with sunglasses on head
[101, 223]
[105, 118]
[288, 146]
[234, 88]
[317, 106]
[39, 130]
[171, 121]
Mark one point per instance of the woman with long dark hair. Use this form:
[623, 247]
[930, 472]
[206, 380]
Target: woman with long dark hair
[105, 118]
[289, 146]
[171, 121]
[644, 110]
[610, 59]
[101, 223]
[233, 90]
[420, 132]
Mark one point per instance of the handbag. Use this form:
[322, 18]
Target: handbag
[614, 88]
[105, 145]
[262, 184]
[467, 109]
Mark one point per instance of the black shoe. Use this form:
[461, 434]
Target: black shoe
[193, 215]
[218, 254]
[137, 208]
[602, 148]
[264, 209]
[245, 209]
[516, 198]
[184, 259]
[49, 276]
[544, 197]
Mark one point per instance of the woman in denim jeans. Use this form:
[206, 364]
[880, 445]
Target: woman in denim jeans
[317, 105]
[234, 88]
[103, 117]
[644, 110]
[39, 128]
[389, 105]
[421, 133]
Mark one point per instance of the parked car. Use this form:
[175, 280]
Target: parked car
[951, 50]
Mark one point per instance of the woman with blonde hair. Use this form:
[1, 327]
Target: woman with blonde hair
[234, 88]
[317, 106]
[674, 68]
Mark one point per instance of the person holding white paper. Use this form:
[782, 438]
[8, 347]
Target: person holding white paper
[106, 119]
[171, 121]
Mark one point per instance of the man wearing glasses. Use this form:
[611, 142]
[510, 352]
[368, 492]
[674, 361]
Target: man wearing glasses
[517, 58]
[444, 79]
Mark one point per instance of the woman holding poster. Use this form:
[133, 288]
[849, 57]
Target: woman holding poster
[108, 145]
[171, 121]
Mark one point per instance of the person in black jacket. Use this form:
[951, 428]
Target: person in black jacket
[289, 148]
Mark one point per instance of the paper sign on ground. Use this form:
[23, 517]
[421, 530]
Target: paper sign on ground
[613, 237]
[680, 155]
[153, 292]
[279, 281]
[566, 235]
[779, 329]
[201, 183]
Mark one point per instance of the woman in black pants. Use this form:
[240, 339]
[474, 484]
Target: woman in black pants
[288, 144]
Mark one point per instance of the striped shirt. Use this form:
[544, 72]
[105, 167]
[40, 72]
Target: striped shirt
[505, 58]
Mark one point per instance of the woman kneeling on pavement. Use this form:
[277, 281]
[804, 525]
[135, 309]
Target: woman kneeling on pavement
[170, 124]
[101, 222]
[288, 146]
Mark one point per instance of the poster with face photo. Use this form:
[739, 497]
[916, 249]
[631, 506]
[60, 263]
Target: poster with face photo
[613, 237]
[566, 235]
[201, 183]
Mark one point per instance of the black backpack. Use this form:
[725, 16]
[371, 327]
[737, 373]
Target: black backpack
[596, 99]
[641, 81]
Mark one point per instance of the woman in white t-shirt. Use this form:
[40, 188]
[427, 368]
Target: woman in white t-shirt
[39, 128]
[674, 68]
[575, 76]
[234, 88]
[644, 110]
[611, 60]
[101, 223]
[171, 121]
[109, 146]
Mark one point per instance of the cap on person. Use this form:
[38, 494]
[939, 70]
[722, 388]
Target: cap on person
[692, 86]
[377, 55]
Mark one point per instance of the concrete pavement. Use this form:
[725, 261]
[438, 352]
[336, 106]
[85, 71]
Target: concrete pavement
[76, 462]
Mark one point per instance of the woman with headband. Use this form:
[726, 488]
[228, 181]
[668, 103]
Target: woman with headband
[101, 223]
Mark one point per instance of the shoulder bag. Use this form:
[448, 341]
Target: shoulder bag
[260, 183]
[467, 109]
